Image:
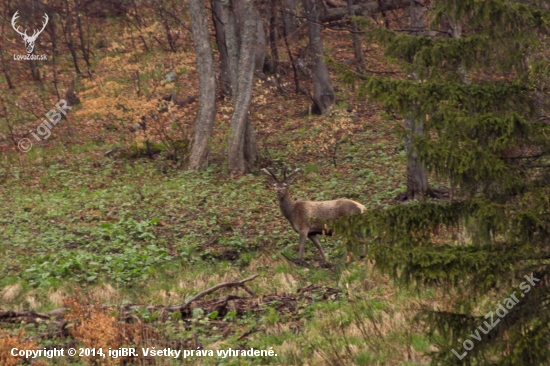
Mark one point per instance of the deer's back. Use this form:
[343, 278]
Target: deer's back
[315, 212]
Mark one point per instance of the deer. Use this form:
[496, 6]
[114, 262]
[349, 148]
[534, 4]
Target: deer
[309, 218]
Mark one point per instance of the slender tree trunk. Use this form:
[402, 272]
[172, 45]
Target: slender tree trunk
[274, 39]
[225, 73]
[85, 53]
[261, 43]
[323, 93]
[69, 36]
[161, 11]
[294, 69]
[35, 72]
[206, 114]
[53, 40]
[5, 69]
[243, 149]
[357, 45]
[417, 181]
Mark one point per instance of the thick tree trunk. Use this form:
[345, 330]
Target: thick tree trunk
[289, 19]
[243, 150]
[207, 86]
[323, 93]
[225, 73]
[357, 45]
[417, 181]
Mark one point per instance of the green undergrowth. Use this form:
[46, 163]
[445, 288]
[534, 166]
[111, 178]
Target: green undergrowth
[140, 231]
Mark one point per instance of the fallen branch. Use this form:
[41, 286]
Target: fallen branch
[246, 334]
[240, 284]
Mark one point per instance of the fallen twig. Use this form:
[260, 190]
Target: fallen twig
[246, 334]
[240, 284]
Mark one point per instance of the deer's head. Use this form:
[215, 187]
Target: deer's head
[281, 186]
[29, 40]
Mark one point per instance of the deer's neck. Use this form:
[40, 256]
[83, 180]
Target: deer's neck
[286, 204]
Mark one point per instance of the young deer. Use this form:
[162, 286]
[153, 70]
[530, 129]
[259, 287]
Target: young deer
[308, 218]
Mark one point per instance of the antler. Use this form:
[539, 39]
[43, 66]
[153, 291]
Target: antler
[292, 175]
[13, 21]
[269, 173]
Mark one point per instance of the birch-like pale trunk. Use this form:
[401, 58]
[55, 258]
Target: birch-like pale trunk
[206, 113]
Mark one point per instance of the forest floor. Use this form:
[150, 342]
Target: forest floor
[119, 239]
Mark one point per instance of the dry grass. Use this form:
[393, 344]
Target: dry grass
[10, 292]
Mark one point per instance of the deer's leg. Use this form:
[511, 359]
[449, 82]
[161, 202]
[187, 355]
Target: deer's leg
[303, 237]
[315, 241]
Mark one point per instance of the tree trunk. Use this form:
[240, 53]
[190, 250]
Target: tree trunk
[5, 69]
[289, 19]
[85, 53]
[274, 39]
[357, 45]
[417, 181]
[206, 113]
[225, 73]
[294, 69]
[261, 43]
[69, 36]
[243, 150]
[323, 93]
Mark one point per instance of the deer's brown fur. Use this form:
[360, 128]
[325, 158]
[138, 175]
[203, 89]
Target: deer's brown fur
[309, 218]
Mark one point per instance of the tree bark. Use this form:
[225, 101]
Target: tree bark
[225, 73]
[85, 53]
[5, 69]
[357, 45]
[206, 113]
[323, 93]
[68, 29]
[261, 43]
[289, 19]
[243, 149]
[274, 39]
[417, 181]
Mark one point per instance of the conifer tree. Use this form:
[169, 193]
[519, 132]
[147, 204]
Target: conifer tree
[481, 96]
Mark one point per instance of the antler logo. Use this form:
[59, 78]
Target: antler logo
[29, 40]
